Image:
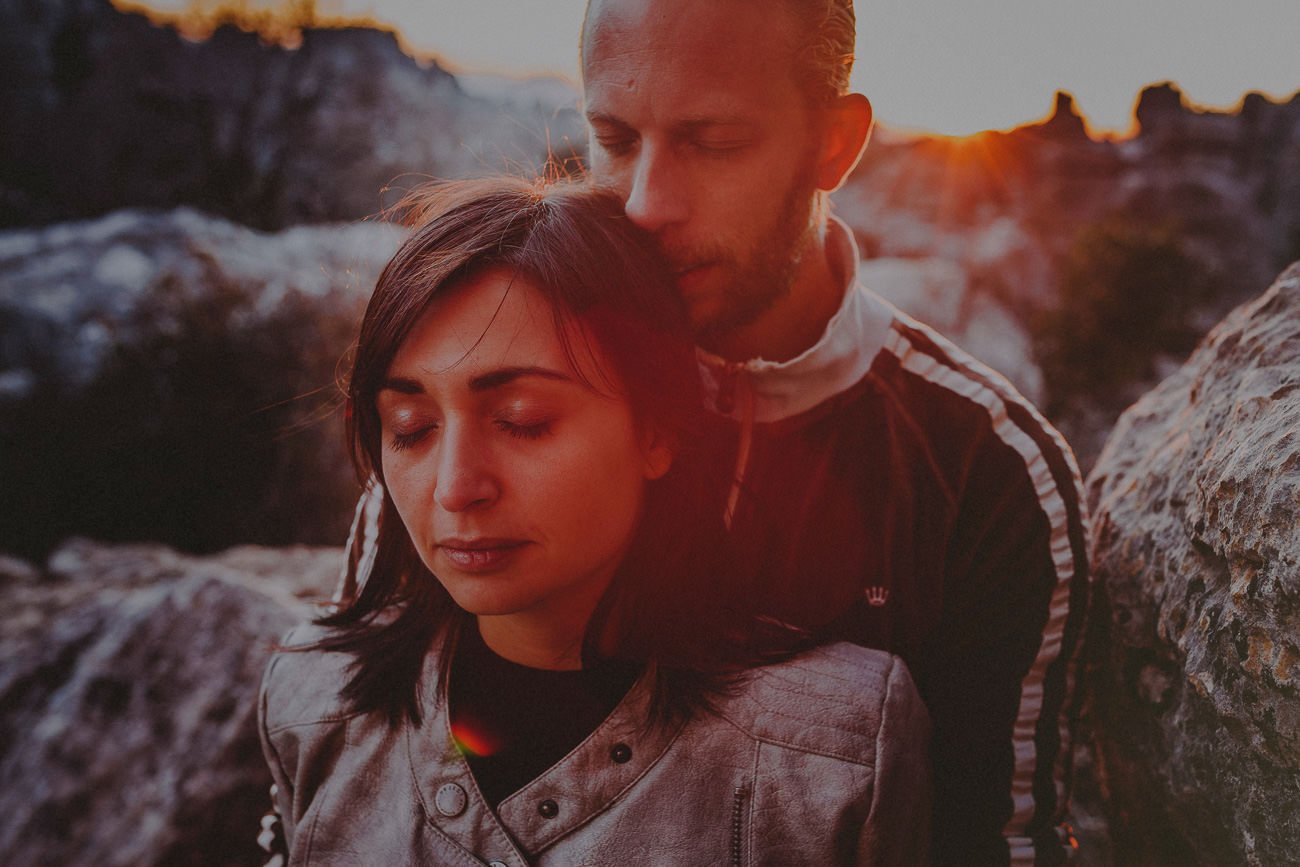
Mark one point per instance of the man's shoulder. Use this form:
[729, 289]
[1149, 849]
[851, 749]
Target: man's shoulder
[831, 700]
[917, 363]
[948, 396]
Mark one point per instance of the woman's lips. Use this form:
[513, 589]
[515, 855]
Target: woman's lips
[480, 555]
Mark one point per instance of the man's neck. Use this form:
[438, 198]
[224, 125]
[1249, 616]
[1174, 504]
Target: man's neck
[798, 319]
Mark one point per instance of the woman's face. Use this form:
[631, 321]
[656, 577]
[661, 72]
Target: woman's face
[520, 484]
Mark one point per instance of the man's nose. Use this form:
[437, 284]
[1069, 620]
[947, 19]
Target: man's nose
[656, 197]
[466, 478]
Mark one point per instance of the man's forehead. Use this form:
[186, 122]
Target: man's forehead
[767, 26]
[712, 52]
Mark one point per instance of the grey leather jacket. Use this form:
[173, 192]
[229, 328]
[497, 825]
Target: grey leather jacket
[821, 760]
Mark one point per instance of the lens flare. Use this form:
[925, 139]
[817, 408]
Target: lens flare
[472, 740]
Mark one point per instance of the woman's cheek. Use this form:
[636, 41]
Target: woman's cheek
[408, 488]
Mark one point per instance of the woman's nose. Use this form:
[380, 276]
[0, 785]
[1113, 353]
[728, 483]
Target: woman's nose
[465, 479]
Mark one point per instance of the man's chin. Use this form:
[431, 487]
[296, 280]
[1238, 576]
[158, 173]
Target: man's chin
[701, 283]
[704, 320]
[708, 315]
[702, 290]
[714, 328]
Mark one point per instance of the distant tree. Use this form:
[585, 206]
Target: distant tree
[1127, 295]
[279, 23]
[209, 425]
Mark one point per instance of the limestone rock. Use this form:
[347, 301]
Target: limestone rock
[105, 110]
[173, 377]
[128, 682]
[937, 292]
[17, 569]
[71, 292]
[1065, 122]
[1159, 106]
[1196, 550]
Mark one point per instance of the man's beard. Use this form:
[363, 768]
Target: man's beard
[765, 276]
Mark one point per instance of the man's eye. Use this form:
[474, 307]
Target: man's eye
[615, 145]
[721, 146]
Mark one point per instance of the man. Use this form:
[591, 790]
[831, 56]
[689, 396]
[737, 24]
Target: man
[888, 489]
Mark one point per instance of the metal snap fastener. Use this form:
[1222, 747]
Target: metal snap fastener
[451, 800]
[549, 809]
[621, 753]
[497, 864]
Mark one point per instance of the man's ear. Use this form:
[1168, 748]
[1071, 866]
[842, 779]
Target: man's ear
[658, 452]
[846, 126]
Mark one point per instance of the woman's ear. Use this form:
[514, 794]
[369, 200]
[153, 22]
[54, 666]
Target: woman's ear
[846, 128]
[658, 452]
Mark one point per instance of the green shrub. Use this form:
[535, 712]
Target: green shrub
[1127, 295]
[210, 424]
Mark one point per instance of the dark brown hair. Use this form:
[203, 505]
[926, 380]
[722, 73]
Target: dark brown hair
[597, 271]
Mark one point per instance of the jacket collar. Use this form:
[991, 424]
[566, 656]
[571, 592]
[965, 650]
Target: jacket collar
[581, 785]
[839, 358]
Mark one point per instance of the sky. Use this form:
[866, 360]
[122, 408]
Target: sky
[953, 67]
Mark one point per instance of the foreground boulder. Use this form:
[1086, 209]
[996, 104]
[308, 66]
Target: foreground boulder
[1196, 547]
[128, 684]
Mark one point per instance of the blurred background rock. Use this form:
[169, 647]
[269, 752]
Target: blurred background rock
[189, 231]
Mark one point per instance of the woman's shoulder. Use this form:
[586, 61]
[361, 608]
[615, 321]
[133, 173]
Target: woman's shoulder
[302, 684]
[831, 700]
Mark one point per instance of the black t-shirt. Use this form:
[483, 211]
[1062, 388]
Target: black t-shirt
[512, 722]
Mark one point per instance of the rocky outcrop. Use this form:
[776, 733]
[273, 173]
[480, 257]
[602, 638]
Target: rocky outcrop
[938, 292]
[1065, 122]
[173, 377]
[1012, 210]
[1195, 709]
[1228, 182]
[128, 695]
[105, 110]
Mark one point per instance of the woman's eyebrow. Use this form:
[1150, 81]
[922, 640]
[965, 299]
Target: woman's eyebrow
[401, 385]
[505, 375]
[483, 382]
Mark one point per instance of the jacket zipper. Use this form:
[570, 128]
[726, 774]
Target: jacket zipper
[737, 826]
[736, 387]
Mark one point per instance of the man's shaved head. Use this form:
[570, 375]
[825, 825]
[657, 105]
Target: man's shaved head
[822, 47]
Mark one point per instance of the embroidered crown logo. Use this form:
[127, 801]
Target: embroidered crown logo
[877, 596]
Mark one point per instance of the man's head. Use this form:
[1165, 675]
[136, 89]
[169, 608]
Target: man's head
[723, 124]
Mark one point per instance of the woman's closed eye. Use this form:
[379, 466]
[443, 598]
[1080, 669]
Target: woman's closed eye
[524, 428]
[405, 439]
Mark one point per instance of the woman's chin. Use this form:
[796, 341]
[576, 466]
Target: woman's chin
[486, 603]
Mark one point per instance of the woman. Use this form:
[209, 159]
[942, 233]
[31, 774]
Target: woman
[550, 664]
